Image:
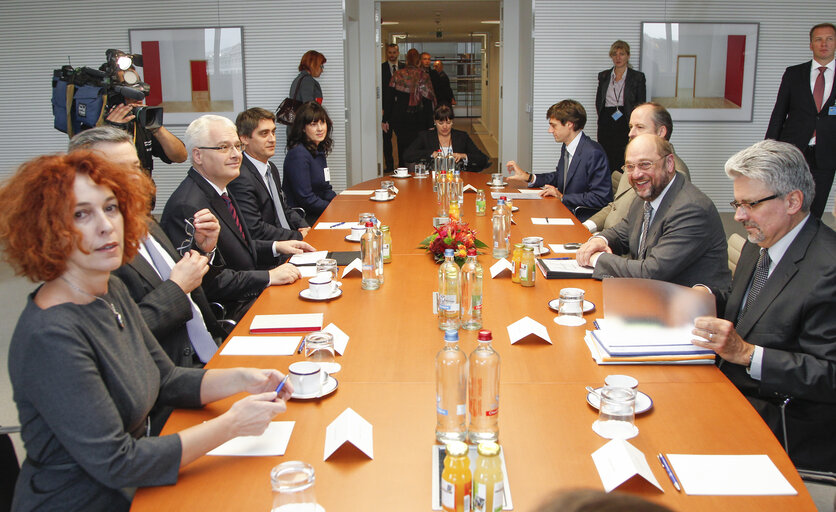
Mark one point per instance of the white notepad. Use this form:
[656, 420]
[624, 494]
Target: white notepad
[306, 322]
[729, 475]
[271, 443]
[261, 346]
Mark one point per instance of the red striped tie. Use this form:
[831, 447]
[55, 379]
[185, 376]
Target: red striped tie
[234, 214]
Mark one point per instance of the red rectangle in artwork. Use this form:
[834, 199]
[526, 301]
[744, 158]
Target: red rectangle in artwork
[151, 71]
[200, 80]
[735, 58]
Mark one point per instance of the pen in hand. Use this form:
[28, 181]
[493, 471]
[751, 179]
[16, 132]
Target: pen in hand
[666, 466]
[281, 385]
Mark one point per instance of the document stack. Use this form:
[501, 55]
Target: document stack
[616, 342]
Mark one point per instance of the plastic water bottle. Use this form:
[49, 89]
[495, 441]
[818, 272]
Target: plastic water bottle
[483, 391]
[471, 292]
[379, 234]
[481, 204]
[451, 162]
[441, 193]
[449, 293]
[370, 256]
[450, 390]
[501, 231]
[458, 186]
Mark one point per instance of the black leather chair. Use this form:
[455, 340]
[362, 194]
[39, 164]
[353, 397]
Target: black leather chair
[9, 468]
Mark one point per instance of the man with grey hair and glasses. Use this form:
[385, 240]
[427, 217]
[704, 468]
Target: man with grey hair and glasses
[776, 329]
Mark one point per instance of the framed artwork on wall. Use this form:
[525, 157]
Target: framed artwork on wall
[192, 71]
[701, 71]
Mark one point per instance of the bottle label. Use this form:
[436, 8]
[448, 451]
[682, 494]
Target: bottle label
[461, 410]
[492, 412]
[385, 250]
[480, 497]
[477, 302]
[523, 272]
[448, 494]
[448, 303]
[498, 495]
[441, 411]
[368, 267]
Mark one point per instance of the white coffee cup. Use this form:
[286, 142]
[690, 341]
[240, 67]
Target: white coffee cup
[322, 285]
[357, 232]
[306, 377]
[401, 171]
[381, 193]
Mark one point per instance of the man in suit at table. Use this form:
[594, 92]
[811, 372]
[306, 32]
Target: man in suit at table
[258, 188]
[646, 118]
[673, 234]
[387, 69]
[586, 187]
[776, 331]
[805, 112]
[250, 263]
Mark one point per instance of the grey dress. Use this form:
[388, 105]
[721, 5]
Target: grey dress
[309, 89]
[83, 389]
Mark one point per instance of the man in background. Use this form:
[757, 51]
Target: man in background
[387, 69]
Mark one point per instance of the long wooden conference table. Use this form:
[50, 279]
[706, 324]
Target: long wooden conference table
[387, 377]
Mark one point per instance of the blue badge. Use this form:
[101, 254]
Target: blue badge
[831, 111]
[617, 115]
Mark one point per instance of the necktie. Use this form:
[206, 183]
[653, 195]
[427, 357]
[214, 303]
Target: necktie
[394, 69]
[277, 199]
[818, 89]
[758, 281]
[234, 213]
[199, 336]
[648, 211]
[565, 169]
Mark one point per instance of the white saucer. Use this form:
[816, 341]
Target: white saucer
[419, 176]
[643, 402]
[494, 185]
[391, 196]
[348, 238]
[587, 305]
[601, 431]
[328, 387]
[513, 208]
[543, 251]
[400, 176]
[330, 368]
[306, 294]
[569, 321]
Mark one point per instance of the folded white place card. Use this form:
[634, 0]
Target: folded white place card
[356, 192]
[352, 428]
[729, 475]
[525, 326]
[618, 461]
[340, 338]
[261, 346]
[501, 266]
[550, 221]
[468, 187]
[307, 258]
[304, 322]
[356, 264]
[346, 224]
[271, 443]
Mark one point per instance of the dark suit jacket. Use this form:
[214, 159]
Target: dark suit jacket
[686, 243]
[794, 320]
[164, 305]
[242, 280]
[304, 182]
[635, 91]
[427, 142]
[589, 184]
[794, 117]
[385, 90]
[256, 206]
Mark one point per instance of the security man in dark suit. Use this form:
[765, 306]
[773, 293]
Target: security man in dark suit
[387, 69]
[805, 112]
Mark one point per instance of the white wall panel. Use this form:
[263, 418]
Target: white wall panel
[37, 36]
[571, 46]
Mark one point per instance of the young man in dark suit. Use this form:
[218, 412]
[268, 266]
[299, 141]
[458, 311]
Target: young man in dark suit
[387, 69]
[805, 112]
[587, 186]
[258, 188]
[776, 329]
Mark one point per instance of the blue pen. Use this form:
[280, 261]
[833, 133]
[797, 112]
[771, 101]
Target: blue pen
[669, 471]
[566, 258]
[282, 383]
[337, 224]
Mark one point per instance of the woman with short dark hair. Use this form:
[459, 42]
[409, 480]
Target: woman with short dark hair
[445, 140]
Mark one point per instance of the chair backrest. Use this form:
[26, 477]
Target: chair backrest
[9, 468]
[736, 243]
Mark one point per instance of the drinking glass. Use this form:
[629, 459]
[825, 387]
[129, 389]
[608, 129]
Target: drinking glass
[571, 302]
[319, 347]
[328, 265]
[616, 413]
[293, 487]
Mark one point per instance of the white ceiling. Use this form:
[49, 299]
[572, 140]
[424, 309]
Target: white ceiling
[456, 18]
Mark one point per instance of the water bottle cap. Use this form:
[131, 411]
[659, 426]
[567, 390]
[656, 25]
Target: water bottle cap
[488, 448]
[451, 335]
[504, 198]
[471, 251]
[485, 335]
[448, 252]
[369, 224]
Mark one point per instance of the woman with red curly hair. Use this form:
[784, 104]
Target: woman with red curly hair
[305, 87]
[84, 367]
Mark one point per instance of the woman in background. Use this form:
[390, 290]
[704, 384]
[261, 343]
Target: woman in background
[411, 101]
[84, 367]
[445, 140]
[620, 89]
[305, 87]
[307, 180]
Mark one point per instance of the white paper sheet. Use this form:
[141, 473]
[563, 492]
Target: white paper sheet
[530, 190]
[618, 461]
[550, 221]
[356, 192]
[286, 323]
[307, 271]
[356, 264]
[502, 265]
[515, 195]
[561, 249]
[308, 258]
[261, 346]
[340, 338]
[352, 428]
[525, 326]
[271, 443]
[346, 224]
[729, 475]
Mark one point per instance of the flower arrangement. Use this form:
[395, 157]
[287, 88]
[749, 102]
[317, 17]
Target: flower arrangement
[456, 235]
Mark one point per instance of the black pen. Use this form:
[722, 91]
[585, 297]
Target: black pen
[669, 471]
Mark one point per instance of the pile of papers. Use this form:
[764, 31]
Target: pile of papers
[617, 342]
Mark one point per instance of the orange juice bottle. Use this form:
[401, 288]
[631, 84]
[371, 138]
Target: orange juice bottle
[456, 479]
[488, 481]
[516, 258]
[454, 211]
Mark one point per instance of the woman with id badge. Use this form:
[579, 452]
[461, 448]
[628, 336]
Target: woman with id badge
[307, 180]
[620, 90]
